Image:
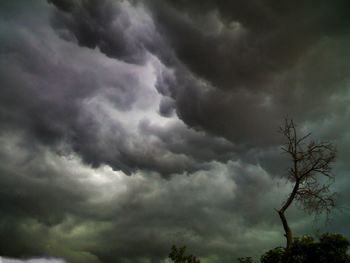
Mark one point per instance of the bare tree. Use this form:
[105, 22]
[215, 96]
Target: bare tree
[310, 173]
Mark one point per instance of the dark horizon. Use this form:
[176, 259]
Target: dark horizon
[130, 126]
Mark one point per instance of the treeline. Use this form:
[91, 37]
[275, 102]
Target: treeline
[329, 248]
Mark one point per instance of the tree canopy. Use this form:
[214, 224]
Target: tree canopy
[331, 248]
[310, 172]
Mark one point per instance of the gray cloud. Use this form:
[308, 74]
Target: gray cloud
[86, 214]
[256, 58]
[109, 25]
[251, 56]
[71, 209]
[266, 64]
[186, 97]
[84, 100]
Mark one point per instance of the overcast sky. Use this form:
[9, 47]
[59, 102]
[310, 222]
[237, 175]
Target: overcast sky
[129, 126]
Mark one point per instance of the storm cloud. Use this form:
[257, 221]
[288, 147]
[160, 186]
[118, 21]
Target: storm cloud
[130, 126]
[256, 57]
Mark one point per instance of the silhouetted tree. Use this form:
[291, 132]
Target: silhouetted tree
[310, 173]
[331, 248]
[177, 255]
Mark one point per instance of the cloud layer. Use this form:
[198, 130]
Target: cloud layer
[129, 121]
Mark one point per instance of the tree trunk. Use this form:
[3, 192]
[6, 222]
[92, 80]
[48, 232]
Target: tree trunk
[287, 230]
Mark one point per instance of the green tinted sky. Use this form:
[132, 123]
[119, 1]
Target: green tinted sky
[130, 126]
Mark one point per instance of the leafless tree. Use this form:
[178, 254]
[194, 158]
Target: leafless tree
[310, 173]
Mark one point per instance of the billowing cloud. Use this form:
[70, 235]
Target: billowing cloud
[130, 126]
[256, 58]
[100, 215]
[97, 106]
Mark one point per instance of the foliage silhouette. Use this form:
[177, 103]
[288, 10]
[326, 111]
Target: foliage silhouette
[331, 248]
[177, 255]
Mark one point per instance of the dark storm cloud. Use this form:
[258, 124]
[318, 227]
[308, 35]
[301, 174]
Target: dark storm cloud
[35, 191]
[97, 215]
[107, 25]
[44, 95]
[260, 59]
[243, 44]
[179, 139]
[93, 90]
[55, 93]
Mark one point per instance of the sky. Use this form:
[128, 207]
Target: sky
[129, 126]
[34, 260]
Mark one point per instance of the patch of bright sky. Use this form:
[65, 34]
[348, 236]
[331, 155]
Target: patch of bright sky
[35, 260]
[146, 106]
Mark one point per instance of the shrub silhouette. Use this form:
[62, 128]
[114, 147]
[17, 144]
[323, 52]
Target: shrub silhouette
[177, 255]
[331, 248]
